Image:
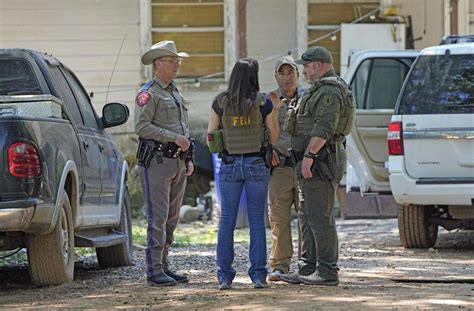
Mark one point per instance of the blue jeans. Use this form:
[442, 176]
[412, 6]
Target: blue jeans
[251, 174]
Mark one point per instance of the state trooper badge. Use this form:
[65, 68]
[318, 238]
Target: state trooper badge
[143, 98]
[327, 100]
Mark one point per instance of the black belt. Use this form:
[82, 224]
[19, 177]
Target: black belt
[246, 155]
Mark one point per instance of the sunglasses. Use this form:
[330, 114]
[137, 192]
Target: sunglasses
[171, 61]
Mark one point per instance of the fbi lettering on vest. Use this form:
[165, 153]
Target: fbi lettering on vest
[241, 121]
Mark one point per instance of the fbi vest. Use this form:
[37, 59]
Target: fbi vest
[242, 134]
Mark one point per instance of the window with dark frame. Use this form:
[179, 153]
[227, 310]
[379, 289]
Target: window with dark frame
[197, 27]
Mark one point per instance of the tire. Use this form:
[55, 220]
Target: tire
[120, 254]
[51, 256]
[415, 231]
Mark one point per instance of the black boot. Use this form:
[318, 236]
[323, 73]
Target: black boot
[161, 279]
[177, 277]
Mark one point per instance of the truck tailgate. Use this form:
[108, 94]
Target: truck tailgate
[439, 146]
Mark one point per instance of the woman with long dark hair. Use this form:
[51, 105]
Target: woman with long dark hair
[241, 126]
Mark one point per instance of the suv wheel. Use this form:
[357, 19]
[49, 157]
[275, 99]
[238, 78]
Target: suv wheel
[415, 230]
[51, 256]
[120, 254]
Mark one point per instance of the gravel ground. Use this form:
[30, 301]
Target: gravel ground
[370, 256]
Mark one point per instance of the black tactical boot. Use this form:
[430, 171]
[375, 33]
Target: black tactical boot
[293, 278]
[161, 279]
[177, 277]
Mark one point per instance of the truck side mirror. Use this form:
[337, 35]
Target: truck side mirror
[114, 114]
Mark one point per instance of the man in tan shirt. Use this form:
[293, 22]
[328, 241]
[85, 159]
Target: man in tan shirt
[283, 187]
[161, 122]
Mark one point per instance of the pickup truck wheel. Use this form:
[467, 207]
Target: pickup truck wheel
[415, 230]
[51, 256]
[120, 254]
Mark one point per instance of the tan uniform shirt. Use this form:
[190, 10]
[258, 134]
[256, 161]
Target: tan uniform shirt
[160, 112]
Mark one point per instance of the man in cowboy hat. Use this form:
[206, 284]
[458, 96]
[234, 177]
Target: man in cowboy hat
[161, 122]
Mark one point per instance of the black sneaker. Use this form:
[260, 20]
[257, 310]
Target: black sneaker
[161, 279]
[177, 277]
[275, 275]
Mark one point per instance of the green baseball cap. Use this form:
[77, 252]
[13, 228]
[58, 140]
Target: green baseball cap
[315, 54]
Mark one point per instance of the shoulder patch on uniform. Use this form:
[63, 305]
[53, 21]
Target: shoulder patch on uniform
[328, 100]
[142, 98]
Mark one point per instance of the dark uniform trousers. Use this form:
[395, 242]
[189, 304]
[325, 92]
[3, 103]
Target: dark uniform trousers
[317, 223]
[164, 184]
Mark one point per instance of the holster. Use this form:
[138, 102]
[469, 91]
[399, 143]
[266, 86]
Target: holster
[293, 157]
[188, 155]
[323, 162]
[145, 152]
[268, 155]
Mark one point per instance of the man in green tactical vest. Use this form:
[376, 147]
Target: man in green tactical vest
[318, 126]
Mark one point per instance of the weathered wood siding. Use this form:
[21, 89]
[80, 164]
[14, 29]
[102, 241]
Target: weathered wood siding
[85, 35]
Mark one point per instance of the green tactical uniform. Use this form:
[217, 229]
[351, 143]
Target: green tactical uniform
[319, 114]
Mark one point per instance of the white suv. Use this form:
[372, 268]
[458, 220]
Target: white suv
[431, 145]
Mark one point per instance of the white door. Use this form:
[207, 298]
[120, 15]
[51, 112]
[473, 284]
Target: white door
[375, 85]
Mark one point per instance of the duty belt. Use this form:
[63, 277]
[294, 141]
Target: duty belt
[169, 150]
[148, 148]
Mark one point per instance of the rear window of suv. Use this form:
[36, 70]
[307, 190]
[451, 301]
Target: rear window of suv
[17, 78]
[439, 84]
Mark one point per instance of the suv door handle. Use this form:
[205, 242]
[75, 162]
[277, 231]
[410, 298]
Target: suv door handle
[85, 144]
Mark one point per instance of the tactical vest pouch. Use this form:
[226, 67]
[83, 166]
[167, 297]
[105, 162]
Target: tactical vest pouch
[304, 124]
[348, 107]
[289, 124]
[215, 142]
[347, 118]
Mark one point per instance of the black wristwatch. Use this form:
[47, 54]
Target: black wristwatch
[310, 155]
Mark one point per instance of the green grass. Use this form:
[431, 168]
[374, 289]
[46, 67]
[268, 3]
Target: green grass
[197, 233]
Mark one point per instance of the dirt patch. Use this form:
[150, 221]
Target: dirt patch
[370, 256]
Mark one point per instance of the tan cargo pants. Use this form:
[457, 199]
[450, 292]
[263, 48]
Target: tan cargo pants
[283, 194]
[163, 187]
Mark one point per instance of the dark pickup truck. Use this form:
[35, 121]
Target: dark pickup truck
[63, 181]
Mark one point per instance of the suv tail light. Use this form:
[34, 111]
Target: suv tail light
[395, 138]
[23, 160]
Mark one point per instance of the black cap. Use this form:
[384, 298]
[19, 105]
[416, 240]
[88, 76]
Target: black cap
[315, 54]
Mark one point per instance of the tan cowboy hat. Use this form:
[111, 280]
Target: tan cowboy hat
[160, 49]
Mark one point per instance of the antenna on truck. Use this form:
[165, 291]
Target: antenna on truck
[113, 69]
